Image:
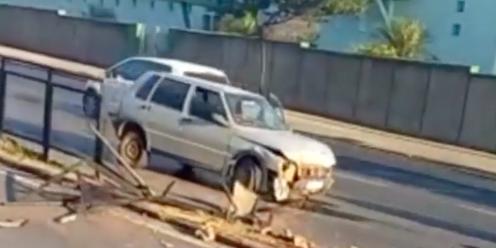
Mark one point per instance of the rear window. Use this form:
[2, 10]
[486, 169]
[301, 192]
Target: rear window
[207, 76]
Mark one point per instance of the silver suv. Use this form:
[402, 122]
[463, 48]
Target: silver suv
[224, 129]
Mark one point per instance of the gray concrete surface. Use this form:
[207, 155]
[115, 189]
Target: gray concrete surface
[379, 199]
[97, 228]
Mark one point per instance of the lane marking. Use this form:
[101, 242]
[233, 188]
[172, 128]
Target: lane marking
[361, 179]
[477, 209]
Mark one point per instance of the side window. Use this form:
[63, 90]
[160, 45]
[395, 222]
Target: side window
[133, 69]
[171, 94]
[205, 103]
[158, 67]
[126, 70]
[147, 86]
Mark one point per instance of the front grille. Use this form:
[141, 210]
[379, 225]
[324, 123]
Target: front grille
[312, 171]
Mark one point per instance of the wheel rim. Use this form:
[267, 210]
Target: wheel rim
[132, 150]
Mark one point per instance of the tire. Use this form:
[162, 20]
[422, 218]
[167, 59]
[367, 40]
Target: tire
[248, 173]
[132, 149]
[91, 104]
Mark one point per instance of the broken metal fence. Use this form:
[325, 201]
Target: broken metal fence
[24, 77]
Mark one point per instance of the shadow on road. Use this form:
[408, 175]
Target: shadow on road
[331, 210]
[433, 184]
[426, 220]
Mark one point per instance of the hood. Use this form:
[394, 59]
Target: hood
[296, 147]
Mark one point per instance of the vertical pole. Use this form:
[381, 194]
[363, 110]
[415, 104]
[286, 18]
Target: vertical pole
[47, 116]
[3, 86]
[97, 156]
[425, 103]
[464, 110]
[186, 17]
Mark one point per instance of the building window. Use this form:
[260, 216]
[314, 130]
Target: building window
[152, 4]
[460, 7]
[456, 29]
[134, 3]
[117, 3]
[101, 3]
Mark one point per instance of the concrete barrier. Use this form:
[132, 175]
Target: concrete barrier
[284, 71]
[83, 40]
[448, 86]
[344, 75]
[374, 92]
[313, 82]
[406, 106]
[479, 122]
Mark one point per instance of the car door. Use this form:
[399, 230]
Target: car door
[207, 140]
[135, 105]
[164, 112]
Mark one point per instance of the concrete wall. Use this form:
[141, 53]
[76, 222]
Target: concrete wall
[438, 102]
[99, 43]
[479, 120]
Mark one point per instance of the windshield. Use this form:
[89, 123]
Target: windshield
[208, 76]
[254, 111]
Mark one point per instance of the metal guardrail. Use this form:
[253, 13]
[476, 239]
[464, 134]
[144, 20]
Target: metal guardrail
[50, 85]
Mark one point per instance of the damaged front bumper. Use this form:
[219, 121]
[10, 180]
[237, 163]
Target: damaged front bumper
[296, 182]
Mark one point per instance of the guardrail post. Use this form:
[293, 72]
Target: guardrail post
[97, 156]
[47, 116]
[3, 86]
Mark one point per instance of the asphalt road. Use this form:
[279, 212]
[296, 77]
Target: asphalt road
[379, 199]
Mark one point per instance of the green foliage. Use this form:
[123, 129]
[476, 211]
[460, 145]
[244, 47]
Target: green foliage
[246, 25]
[345, 7]
[405, 39]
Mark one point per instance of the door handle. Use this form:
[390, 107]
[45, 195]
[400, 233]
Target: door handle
[144, 107]
[185, 120]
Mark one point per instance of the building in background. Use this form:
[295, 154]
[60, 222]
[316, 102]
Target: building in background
[460, 31]
[159, 13]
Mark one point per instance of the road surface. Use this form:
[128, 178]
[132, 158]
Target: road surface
[379, 199]
[97, 228]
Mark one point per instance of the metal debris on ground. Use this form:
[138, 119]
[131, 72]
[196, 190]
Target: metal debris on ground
[13, 223]
[112, 187]
[166, 245]
[66, 218]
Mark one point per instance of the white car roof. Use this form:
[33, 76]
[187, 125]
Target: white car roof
[183, 66]
[226, 88]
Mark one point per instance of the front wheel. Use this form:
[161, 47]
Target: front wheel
[247, 172]
[132, 149]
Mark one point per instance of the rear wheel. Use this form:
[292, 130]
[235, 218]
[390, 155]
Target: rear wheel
[247, 172]
[132, 149]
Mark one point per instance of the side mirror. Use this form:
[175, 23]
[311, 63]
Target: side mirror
[219, 119]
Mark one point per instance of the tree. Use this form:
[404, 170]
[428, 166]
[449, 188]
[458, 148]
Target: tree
[255, 18]
[404, 38]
